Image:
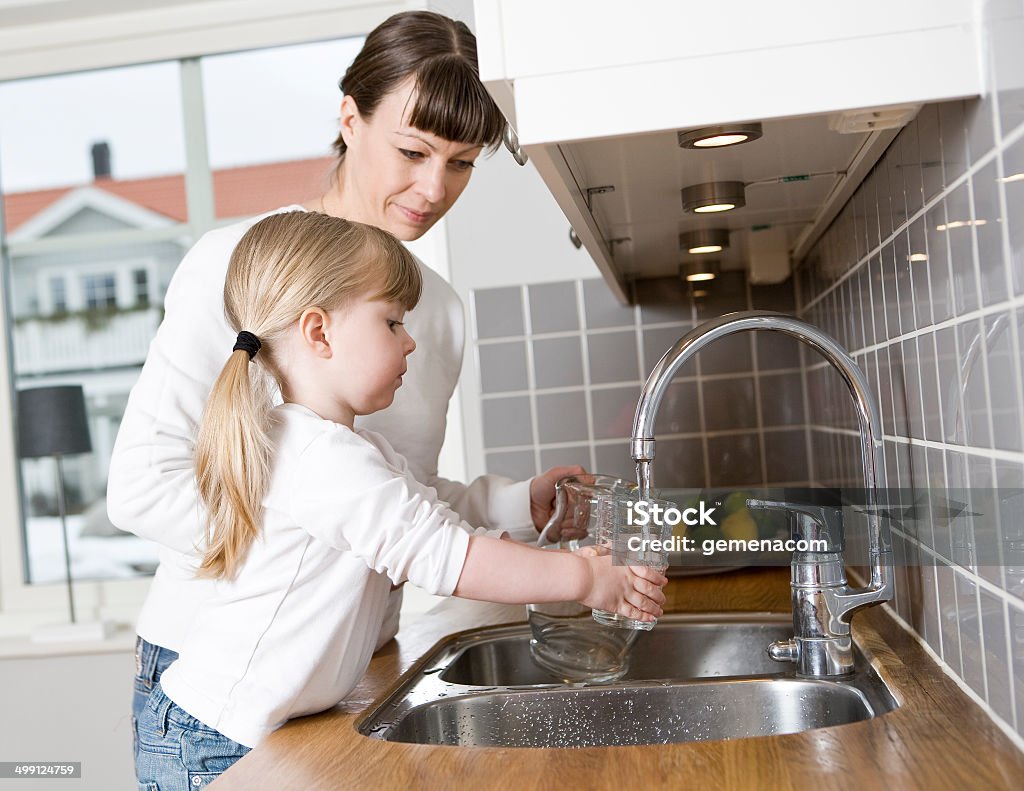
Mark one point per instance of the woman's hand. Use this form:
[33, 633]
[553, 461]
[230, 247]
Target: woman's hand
[542, 502]
[631, 591]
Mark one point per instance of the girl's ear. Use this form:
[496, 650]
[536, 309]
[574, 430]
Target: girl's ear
[313, 329]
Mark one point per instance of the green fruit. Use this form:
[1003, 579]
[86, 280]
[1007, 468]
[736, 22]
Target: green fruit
[770, 524]
[736, 501]
[691, 502]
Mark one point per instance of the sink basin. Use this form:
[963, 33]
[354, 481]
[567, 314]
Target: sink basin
[691, 679]
[648, 714]
[674, 649]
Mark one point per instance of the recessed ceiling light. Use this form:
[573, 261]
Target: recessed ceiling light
[719, 136]
[704, 240]
[699, 271]
[714, 196]
[918, 257]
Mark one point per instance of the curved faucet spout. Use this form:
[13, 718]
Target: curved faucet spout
[869, 422]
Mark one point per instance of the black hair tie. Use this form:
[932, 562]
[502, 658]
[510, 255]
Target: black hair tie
[247, 342]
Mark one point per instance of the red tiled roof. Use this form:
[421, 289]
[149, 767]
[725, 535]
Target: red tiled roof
[238, 192]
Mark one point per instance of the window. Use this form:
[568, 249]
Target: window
[140, 281]
[260, 119]
[84, 206]
[100, 291]
[58, 295]
[97, 219]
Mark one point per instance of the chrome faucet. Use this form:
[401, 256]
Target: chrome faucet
[823, 602]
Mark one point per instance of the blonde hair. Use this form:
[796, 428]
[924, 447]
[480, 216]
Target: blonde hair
[283, 264]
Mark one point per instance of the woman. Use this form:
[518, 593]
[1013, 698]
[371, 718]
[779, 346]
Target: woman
[414, 119]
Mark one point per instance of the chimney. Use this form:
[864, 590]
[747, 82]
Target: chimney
[100, 161]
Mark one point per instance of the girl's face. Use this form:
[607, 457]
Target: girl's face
[350, 361]
[369, 345]
[395, 176]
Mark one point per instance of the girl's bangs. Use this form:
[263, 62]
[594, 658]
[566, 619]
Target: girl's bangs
[402, 281]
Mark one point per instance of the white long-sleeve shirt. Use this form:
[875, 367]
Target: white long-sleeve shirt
[151, 490]
[343, 518]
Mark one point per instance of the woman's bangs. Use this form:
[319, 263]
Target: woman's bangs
[452, 103]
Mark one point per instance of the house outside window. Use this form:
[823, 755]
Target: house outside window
[100, 291]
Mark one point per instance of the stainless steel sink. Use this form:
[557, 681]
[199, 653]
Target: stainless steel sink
[675, 649]
[691, 679]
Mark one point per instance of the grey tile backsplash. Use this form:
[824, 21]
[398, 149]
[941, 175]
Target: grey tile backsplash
[931, 308]
[921, 277]
[572, 398]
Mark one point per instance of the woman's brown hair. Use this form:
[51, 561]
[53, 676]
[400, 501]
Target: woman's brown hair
[283, 264]
[440, 53]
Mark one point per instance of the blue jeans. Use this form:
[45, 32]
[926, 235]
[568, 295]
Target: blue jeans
[176, 752]
[150, 663]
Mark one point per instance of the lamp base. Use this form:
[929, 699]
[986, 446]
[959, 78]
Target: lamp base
[87, 631]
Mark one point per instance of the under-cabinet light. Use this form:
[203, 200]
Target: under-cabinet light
[699, 271]
[719, 136]
[704, 240]
[713, 196]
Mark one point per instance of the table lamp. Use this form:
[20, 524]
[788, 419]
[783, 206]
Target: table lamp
[52, 422]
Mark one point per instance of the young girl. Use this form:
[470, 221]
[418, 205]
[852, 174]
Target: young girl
[311, 521]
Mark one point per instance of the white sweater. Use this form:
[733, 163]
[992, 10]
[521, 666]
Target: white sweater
[151, 490]
[294, 631]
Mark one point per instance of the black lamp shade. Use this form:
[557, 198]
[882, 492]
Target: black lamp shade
[52, 422]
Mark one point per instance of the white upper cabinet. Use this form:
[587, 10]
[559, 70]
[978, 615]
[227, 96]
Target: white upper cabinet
[571, 73]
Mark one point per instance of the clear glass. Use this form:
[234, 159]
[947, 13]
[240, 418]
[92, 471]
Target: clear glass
[271, 117]
[618, 527]
[576, 504]
[575, 648]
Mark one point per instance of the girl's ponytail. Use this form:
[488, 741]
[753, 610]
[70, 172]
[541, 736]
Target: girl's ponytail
[233, 463]
[283, 264]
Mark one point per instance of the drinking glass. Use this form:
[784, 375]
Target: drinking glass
[626, 533]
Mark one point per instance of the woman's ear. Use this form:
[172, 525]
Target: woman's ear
[348, 119]
[313, 325]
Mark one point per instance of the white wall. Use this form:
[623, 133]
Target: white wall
[69, 708]
[506, 230]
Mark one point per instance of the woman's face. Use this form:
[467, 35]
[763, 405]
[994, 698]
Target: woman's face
[395, 176]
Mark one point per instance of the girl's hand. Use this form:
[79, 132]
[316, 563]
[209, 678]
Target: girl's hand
[631, 591]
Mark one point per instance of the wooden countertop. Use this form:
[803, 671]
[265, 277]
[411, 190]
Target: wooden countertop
[937, 738]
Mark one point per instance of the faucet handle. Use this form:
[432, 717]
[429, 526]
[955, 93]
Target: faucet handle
[809, 522]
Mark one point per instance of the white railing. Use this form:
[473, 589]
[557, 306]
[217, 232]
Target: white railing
[73, 344]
